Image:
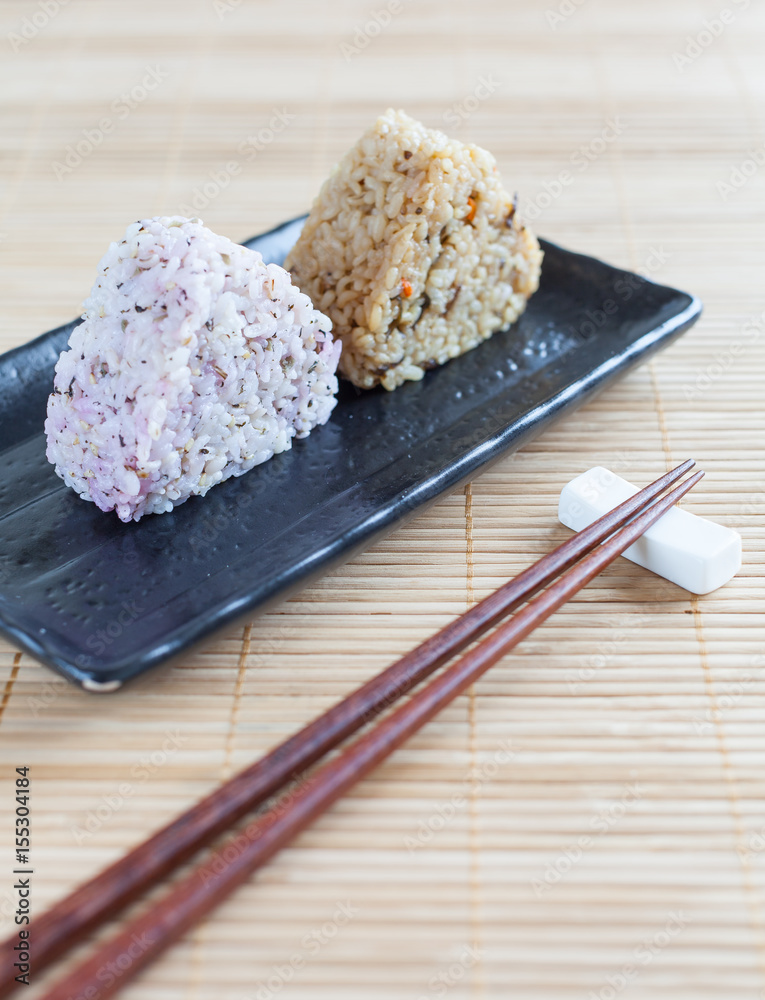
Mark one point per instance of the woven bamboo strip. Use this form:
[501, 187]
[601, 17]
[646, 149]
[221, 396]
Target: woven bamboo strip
[605, 780]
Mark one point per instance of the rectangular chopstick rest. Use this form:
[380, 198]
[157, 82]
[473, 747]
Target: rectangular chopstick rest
[688, 550]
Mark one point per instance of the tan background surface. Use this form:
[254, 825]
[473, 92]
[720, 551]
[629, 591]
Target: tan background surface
[618, 757]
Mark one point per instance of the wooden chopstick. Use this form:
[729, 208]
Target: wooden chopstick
[112, 889]
[117, 885]
[196, 894]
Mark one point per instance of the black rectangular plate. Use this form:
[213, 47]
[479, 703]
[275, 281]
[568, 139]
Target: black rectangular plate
[101, 601]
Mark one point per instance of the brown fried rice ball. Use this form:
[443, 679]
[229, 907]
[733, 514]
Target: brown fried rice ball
[415, 251]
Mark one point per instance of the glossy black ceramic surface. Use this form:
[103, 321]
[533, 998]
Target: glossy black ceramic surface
[101, 601]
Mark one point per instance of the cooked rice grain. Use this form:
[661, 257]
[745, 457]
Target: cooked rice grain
[415, 251]
[195, 361]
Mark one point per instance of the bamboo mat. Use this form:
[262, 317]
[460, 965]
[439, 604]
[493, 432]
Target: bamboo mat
[590, 820]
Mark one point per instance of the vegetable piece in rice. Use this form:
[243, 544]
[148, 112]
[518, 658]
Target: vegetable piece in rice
[415, 251]
[195, 362]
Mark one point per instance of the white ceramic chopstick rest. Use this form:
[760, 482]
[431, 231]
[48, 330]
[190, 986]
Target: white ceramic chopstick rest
[691, 551]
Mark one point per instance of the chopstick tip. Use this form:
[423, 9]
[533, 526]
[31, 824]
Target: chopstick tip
[690, 482]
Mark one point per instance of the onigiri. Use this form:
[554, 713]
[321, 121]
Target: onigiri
[195, 361]
[415, 251]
